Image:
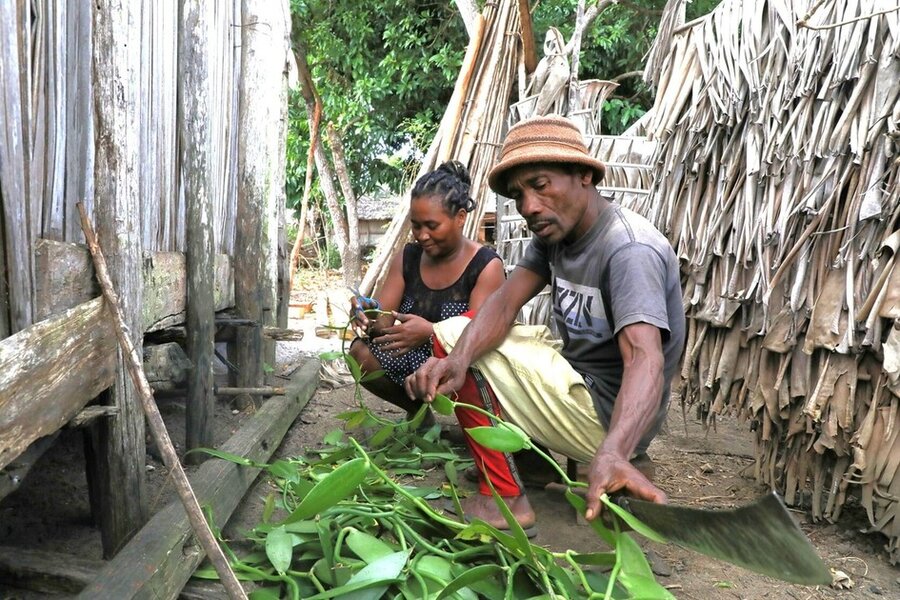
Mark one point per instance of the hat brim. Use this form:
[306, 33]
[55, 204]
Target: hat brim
[497, 175]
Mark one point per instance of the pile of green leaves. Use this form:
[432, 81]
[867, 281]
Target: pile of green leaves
[355, 522]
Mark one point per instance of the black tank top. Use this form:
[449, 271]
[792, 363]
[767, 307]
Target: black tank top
[437, 305]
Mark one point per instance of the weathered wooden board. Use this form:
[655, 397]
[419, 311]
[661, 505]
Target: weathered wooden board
[66, 278]
[59, 573]
[49, 371]
[160, 558]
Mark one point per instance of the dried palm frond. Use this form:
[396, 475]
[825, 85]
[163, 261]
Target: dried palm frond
[777, 182]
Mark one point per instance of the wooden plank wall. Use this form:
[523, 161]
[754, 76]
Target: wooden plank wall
[47, 134]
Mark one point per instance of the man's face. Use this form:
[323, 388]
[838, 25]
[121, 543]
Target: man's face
[552, 201]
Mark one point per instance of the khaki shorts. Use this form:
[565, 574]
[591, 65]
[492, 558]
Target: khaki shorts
[537, 388]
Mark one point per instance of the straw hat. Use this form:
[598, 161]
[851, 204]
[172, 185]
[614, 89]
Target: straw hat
[550, 139]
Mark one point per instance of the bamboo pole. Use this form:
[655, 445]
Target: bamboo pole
[154, 419]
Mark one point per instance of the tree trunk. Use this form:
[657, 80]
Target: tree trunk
[351, 258]
[195, 144]
[326, 175]
[255, 276]
[467, 10]
[575, 54]
[120, 451]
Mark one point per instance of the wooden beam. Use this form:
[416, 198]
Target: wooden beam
[49, 371]
[120, 453]
[59, 573]
[196, 144]
[66, 279]
[161, 557]
[528, 46]
[263, 57]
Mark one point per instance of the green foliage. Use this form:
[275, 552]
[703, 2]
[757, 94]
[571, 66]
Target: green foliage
[384, 71]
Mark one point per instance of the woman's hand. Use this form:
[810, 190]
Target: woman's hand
[361, 323]
[410, 332]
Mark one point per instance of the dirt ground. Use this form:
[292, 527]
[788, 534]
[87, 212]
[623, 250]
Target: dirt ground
[694, 466]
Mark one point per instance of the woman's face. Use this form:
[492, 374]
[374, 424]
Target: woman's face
[437, 232]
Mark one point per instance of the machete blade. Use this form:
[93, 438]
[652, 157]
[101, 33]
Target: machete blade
[761, 536]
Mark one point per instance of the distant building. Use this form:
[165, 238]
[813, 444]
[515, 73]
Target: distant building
[375, 212]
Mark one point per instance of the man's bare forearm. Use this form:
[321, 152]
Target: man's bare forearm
[638, 400]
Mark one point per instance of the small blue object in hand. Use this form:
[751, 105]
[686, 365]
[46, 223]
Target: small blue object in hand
[364, 302]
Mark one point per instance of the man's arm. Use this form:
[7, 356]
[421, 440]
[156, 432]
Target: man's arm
[635, 409]
[485, 332]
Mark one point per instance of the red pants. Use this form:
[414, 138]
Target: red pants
[498, 466]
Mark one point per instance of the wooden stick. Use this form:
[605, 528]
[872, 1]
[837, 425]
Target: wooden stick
[253, 391]
[154, 419]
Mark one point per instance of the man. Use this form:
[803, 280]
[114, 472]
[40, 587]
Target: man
[617, 304]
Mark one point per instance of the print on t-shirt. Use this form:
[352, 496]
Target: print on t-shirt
[581, 308]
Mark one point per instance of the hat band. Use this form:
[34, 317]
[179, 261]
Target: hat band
[545, 140]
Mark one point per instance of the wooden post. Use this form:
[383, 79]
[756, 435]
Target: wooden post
[120, 451]
[195, 144]
[132, 365]
[263, 52]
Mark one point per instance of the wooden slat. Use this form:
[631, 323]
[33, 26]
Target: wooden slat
[79, 117]
[49, 371]
[14, 168]
[195, 144]
[66, 279]
[162, 556]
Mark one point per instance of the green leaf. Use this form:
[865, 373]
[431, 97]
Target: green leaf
[632, 521]
[370, 582]
[283, 469]
[470, 577]
[331, 355]
[372, 375]
[279, 549]
[331, 489]
[598, 559]
[268, 508]
[581, 506]
[524, 546]
[333, 437]
[498, 438]
[381, 435]
[367, 547]
[442, 404]
[354, 367]
[265, 594]
[436, 567]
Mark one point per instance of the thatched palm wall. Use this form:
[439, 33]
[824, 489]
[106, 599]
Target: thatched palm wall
[777, 182]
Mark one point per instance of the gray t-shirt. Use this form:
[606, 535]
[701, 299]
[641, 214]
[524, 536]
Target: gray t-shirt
[622, 271]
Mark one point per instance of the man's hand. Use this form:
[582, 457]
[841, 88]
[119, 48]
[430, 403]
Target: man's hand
[410, 332]
[436, 376]
[610, 473]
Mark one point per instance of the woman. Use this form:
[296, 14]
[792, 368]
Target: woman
[442, 275]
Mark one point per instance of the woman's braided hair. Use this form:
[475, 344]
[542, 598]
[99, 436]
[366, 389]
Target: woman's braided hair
[451, 182]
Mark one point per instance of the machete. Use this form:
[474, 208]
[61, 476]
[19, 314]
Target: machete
[760, 536]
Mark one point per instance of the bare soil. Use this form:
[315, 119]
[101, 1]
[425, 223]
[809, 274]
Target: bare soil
[694, 466]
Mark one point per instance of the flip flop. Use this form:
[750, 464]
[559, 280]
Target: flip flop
[448, 507]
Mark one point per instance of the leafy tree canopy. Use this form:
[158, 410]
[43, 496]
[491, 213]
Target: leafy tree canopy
[385, 71]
